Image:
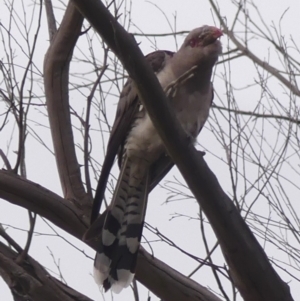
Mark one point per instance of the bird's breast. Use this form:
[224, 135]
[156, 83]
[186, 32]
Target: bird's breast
[143, 140]
[192, 110]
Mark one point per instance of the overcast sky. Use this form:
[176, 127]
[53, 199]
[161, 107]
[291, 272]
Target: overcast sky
[157, 16]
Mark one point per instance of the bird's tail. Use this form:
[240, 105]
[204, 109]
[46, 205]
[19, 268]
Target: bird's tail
[115, 260]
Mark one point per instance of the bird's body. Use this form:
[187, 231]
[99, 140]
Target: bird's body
[186, 78]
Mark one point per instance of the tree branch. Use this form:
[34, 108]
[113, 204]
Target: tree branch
[258, 115]
[249, 266]
[56, 81]
[30, 281]
[245, 50]
[42, 201]
[150, 271]
[167, 283]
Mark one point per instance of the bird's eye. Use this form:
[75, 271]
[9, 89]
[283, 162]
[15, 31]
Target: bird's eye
[193, 42]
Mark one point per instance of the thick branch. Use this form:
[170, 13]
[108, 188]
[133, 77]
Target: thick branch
[165, 282]
[56, 81]
[30, 281]
[29, 195]
[249, 265]
[168, 284]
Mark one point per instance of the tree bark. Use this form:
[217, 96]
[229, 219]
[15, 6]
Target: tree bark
[56, 82]
[28, 280]
[162, 280]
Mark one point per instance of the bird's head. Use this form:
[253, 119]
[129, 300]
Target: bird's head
[202, 45]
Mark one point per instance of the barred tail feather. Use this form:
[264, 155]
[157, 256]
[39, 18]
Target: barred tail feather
[115, 261]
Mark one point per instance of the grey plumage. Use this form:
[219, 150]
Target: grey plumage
[186, 78]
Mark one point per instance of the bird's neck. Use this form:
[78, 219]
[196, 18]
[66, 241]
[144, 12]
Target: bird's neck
[201, 78]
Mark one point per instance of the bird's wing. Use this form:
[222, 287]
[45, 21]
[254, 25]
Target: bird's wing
[127, 108]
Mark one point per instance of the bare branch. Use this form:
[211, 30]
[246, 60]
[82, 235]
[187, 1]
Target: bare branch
[169, 285]
[245, 50]
[56, 72]
[161, 279]
[32, 219]
[86, 125]
[50, 18]
[31, 281]
[258, 115]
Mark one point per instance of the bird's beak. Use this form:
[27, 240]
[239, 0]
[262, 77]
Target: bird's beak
[216, 32]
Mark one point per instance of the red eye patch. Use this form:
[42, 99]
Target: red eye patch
[193, 42]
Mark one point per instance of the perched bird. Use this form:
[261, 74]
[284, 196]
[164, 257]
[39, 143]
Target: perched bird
[185, 77]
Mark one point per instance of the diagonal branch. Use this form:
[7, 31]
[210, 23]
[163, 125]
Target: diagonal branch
[30, 281]
[249, 266]
[167, 283]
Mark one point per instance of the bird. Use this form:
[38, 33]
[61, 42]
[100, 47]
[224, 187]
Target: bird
[185, 77]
